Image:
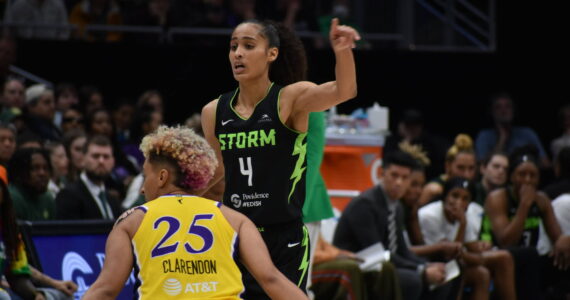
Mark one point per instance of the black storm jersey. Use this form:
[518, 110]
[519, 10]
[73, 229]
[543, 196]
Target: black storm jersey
[264, 161]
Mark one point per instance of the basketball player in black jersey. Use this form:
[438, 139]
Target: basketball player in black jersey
[259, 132]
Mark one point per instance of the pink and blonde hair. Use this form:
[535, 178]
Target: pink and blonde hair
[191, 152]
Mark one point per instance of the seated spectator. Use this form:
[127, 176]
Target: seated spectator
[457, 219]
[72, 118]
[65, 98]
[411, 129]
[459, 162]
[29, 172]
[146, 120]
[152, 98]
[42, 15]
[90, 99]
[59, 165]
[122, 115]
[7, 142]
[28, 140]
[562, 172]
[14, 263]
[12, 99]
[493, 171]
[40, 110]
[443, 251]
[96, 12]
[74, 142]
[505, 136]
[410, 200]
[564, 140]
[513, 216]
[99, 123]
[376, 216]
[88, 197]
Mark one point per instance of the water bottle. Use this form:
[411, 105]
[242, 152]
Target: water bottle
[378, 117]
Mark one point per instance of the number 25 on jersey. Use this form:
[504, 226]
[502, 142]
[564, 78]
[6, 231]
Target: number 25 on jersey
[165, 247]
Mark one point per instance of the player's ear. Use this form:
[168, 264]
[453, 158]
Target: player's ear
[163, 177]
[273, 53]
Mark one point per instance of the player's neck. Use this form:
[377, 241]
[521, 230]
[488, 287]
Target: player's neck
[252, 92]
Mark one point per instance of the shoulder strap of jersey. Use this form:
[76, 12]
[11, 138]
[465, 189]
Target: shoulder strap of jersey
[223, 106]
[272, 97]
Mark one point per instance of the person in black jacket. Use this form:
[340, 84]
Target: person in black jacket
[88, 198]
[377, 216]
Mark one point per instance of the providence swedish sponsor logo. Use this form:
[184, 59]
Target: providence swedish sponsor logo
[172, 287]
[236, 201]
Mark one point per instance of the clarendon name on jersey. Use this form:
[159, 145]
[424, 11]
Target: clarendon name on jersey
[241, 140]
[189, 267]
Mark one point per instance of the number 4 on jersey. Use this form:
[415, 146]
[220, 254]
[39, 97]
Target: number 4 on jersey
[247, 172]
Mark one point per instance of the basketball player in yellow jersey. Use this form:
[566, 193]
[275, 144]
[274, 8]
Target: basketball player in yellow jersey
[184, 246]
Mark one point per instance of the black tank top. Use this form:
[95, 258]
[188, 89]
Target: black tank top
[530, 233]
[264, 161]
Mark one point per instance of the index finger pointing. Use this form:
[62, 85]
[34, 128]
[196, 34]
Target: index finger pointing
[334, 23]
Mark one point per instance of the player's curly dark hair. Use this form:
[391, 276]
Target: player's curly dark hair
[291, 63]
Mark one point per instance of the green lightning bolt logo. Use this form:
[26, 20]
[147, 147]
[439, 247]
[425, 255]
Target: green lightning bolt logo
[300, 148]
[305, 263]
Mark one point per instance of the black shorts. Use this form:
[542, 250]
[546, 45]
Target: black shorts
[289, 250]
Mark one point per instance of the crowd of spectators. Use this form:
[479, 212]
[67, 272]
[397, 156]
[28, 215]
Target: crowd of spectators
[51, 19]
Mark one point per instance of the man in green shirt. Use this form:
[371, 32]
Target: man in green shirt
[29, 172]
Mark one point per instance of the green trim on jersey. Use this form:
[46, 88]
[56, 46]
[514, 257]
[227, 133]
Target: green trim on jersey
[300, 149]
[305, 262]
[234, 96]
[279, 114]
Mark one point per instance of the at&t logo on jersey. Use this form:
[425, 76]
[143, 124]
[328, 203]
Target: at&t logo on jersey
[172, 287]
[236, 201]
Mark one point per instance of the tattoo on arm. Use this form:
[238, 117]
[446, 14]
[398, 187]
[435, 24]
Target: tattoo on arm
[125, 215]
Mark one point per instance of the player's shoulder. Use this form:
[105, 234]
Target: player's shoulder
[210, 107]
[130, 220]
[130, 214]
[235, 218]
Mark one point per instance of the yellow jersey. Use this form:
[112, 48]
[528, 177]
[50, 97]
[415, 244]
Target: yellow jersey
[185, 248]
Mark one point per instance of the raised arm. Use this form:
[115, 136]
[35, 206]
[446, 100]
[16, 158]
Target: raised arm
[209, 128]
[310, 97]
[118, 258]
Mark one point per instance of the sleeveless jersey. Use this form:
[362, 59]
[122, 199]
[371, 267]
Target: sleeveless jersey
[264, 161]
[530, 233]
[185, 249]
